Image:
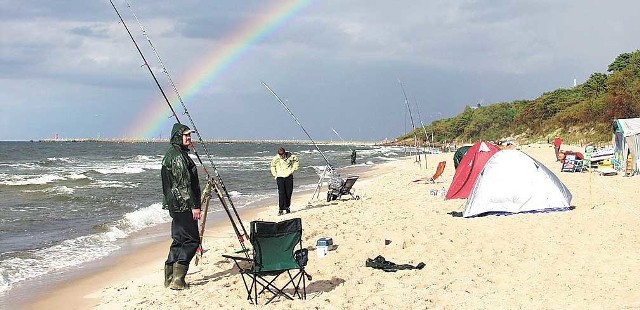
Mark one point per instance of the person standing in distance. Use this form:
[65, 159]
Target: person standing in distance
[557, 142]
[282, 167]
[181, 196]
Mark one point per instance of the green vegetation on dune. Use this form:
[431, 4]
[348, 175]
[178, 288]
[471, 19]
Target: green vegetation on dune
[580, 114]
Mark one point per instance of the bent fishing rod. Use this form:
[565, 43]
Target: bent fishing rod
[297, 121]
[415, 138]
[345, 142]
[215, 181]
[329, 168]
[424, 130]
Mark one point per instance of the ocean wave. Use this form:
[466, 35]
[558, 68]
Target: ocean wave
[60, 159]
[146, 165]
[120, 170]
[21, 180]
[386, 158]
[146, 158]
[110, 184]
[76, 176]
[76, 251]
[26, 166]
[60, 190]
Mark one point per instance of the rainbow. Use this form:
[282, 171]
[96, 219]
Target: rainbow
[156, 115]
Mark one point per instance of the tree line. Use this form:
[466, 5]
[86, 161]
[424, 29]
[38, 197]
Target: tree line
[581, 114]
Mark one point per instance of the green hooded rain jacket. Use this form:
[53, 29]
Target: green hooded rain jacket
[180, 183]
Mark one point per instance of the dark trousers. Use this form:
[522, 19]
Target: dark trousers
[285, 189]
[186, 238]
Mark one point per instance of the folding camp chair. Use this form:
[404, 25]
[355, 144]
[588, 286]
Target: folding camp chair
[273, 255]
[339, 187]
[571, 164]
[436, 175]
[586, 162]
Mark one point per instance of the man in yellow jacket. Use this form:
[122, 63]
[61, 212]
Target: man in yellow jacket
[282, 167]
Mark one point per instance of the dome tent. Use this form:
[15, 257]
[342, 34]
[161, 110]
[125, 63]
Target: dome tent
[459, 154]
[513, 182]
[469, 168]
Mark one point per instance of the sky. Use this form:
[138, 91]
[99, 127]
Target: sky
[69, 68]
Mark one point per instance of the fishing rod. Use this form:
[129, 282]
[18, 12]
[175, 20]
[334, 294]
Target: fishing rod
[186, 112]
[345, 142]
[212, 181]
[329, 167]
[297, 121]
[420, 118]
[415, 138]
[423, 130]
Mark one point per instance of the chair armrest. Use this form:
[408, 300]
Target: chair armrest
[237, 258]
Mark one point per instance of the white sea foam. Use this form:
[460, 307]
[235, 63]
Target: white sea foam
[60, 190]
[145, 217]
[145, 158]
[27, 166]
[61, 159]
[110, 184]
[29, 179]
[76, 251]
[386, 158]
[120, 170]
[76, 176]
[146, 162]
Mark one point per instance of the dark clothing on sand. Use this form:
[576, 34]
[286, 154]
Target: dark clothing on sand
[285, 189]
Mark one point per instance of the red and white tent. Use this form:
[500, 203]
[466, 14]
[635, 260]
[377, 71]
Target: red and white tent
[469, 168]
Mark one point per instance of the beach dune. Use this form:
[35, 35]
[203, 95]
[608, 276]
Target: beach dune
[578, 259]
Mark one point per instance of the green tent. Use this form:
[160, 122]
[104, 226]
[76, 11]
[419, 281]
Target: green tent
[457, 156]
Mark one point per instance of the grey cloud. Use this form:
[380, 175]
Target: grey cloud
[333, 56]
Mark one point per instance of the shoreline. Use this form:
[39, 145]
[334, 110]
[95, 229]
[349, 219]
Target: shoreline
[76, 286]
[80, 291]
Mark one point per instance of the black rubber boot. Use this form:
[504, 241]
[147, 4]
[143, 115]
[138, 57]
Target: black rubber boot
[168, 275]
[179, 273]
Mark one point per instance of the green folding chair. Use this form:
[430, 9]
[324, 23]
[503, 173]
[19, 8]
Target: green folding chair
[274, 255]
[586, 162]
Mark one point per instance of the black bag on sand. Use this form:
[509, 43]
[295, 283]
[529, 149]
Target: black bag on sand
[381, 263]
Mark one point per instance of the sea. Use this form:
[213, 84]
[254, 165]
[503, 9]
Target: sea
[67, 204]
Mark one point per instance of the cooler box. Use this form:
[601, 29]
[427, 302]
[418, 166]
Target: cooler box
[326, 241]
[322, 246]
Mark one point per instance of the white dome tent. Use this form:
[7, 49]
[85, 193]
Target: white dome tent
[513, 182]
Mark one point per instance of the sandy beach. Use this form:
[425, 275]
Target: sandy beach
[580, 259]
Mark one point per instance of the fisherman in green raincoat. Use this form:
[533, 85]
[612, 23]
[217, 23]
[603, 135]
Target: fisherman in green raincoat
[181, 196]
